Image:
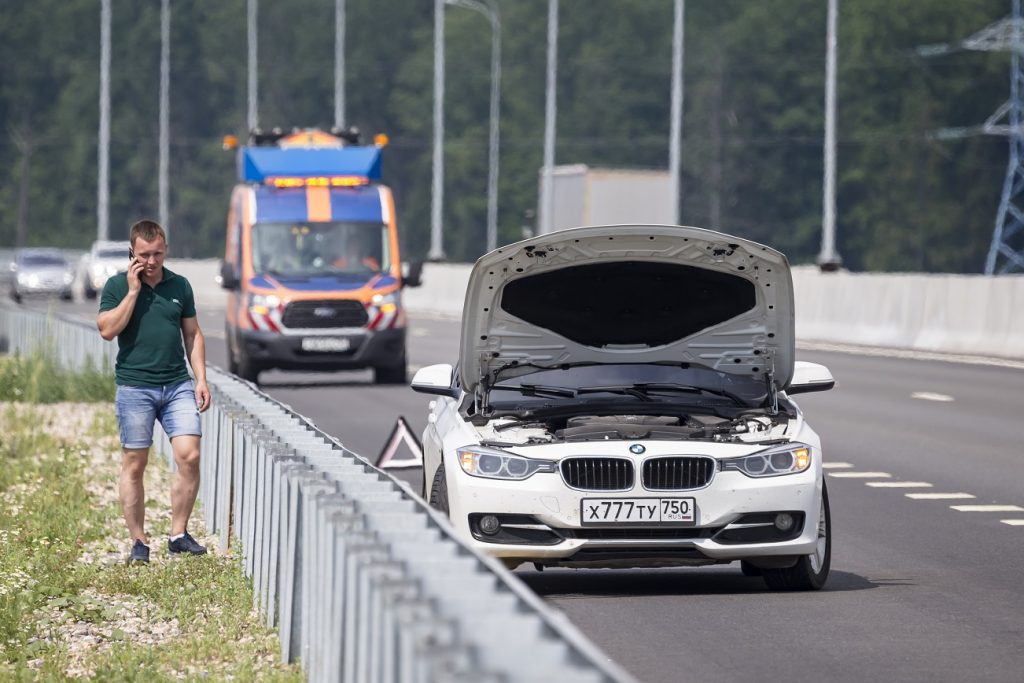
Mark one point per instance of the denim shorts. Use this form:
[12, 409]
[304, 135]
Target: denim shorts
[138, 407]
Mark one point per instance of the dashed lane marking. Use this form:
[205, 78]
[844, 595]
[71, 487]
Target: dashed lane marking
[987, 508]
[836, 465]
[931, 396]
[860, 475]
[938, 496]
[1013, 522]
[899, 484]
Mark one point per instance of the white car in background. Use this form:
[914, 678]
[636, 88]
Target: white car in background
[104, 259]
[622, 398]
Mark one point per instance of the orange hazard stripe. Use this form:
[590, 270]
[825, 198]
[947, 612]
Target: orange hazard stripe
[318, 203]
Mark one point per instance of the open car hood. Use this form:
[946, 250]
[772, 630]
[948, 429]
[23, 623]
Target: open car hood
[629, 294]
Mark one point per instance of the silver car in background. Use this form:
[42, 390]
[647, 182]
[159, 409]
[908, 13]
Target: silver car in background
[41, 272]
[103, 260]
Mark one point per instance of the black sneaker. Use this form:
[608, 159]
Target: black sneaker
[185, 544]
[139, 553]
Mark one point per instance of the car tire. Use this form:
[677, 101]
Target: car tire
[750, 569]
[392, 374]
[90, 293]
[16, 297]
[811, 571]
[439, 491]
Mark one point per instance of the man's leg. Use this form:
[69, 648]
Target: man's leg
[131, 490]
[186, 481]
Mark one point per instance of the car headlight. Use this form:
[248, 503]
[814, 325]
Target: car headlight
[24, 278]
[787, 459]
[69, 277]
[490, 463]
[263, 303]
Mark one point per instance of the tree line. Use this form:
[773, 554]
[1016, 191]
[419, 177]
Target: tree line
[752, 133]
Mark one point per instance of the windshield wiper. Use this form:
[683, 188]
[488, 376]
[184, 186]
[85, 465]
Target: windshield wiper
[643, 390]
[539, 390]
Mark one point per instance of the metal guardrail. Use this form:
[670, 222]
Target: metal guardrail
[363, 581]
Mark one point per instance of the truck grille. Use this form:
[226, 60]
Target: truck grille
[677, 473]
[598, 474]
[321, 314]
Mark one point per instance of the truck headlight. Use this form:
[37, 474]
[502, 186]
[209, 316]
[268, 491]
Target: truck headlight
[490, 463]
[386, 302]
[789, 458]
[263, 303]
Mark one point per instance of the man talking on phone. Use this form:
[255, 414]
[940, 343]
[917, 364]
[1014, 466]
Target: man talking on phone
[152, 313]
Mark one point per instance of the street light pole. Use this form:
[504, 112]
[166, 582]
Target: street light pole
[548, 179]
[339, 63]
[165, 103]
[252, 120]
[490, 10]
[829, 259]
[103, 173]
[436, 252]
[676, 134]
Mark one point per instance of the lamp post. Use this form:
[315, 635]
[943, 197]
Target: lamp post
[252, 120]
[103, 173]
[165, 103]
[547, 181]
[339, 63]
[436, 252]
[490, 10]
[829, 259]
[676, 127]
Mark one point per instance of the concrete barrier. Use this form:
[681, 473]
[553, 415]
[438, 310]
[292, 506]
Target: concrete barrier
[956, 314]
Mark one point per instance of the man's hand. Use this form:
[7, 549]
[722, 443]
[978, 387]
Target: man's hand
[135, 276]
[202, 396]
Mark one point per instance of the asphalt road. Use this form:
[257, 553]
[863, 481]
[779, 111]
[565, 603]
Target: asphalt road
[919, 591]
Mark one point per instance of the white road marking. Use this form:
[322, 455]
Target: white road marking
[1013, 522]
[931, 396]
[836, 465]
[938, 496]
[899, 484]
[987, 508]
[886, 352]
[420, 332]
[860, 475]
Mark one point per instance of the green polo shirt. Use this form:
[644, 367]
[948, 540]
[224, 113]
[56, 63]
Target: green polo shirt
[150, 349]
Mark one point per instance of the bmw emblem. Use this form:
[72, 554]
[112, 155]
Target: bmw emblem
[637, 449]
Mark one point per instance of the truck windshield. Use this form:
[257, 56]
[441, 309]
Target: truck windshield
[309, 249]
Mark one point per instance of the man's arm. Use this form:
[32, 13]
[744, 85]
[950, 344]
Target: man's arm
[111, 323]
[195, 350]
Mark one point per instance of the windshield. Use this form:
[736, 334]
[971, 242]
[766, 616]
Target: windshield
[307, 249]
[118, 253]
[42, 260]
[644, 384]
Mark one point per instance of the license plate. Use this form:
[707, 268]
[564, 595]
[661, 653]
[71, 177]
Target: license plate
[325, 344]
[635, 510]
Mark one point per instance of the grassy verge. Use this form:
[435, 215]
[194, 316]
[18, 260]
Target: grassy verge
[69, 607]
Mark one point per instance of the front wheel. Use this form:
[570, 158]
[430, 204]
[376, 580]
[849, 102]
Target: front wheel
[439, 491]
[391, 374]
[811, 571]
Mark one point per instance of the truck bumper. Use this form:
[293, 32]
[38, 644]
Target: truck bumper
[367, 349]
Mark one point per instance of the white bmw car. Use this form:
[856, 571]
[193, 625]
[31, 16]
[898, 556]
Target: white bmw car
[622, 399]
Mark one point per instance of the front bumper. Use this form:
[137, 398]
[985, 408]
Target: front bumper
[732, 520]
[367, 349]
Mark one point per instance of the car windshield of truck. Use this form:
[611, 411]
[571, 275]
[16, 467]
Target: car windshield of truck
[339, 249]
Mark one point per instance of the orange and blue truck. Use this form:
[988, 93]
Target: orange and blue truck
[311, 260]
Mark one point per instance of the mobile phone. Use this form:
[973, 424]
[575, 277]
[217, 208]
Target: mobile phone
[131, 254]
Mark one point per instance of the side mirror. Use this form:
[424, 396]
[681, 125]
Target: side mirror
[808, 377]
[227, 277]
[435, 379]
[412, 274]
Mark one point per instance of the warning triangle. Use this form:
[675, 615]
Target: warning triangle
[400, 435]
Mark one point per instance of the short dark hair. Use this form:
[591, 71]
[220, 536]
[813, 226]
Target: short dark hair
[147, 230]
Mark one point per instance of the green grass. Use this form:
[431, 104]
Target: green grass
[36, 379]
[68, 604]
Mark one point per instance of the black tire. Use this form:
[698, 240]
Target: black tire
[811, 571]
[16, 297]
[439, 491]
[749, 569]
[392, 374]
[247, 369]
[90, 293]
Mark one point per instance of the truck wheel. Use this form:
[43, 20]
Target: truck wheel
[391, 374]
[247, 369]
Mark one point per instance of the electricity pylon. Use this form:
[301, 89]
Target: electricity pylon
[1006, 253]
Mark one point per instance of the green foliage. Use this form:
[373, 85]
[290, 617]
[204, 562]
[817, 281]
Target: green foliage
[753, 126]
[37, 379]
[54, 591]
